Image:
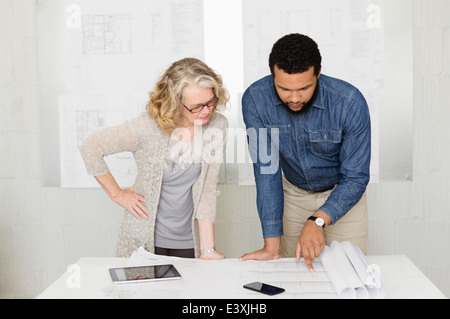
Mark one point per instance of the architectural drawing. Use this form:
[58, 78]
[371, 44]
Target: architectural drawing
[115, 52]
[106, 34]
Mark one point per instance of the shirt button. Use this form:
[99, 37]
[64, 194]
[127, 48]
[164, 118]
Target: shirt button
[299, 138]
[302, 154]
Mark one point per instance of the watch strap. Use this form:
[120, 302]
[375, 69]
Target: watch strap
[206, 252]
[313, 218]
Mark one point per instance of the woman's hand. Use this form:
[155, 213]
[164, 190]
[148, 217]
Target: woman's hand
[131, 201]
[215, 255]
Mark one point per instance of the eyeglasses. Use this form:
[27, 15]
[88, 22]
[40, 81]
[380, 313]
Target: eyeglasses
[199, 108]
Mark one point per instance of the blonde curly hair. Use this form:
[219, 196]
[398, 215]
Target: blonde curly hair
[165, 101]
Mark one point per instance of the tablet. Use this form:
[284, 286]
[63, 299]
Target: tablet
[144, 273]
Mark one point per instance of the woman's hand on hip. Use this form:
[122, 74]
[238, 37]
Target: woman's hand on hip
[131, 201]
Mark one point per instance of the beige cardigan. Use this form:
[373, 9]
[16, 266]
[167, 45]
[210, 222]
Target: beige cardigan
[148, 143]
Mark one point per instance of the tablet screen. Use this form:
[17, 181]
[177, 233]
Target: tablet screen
[144, 273]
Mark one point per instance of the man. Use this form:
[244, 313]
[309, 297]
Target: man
[321, 129]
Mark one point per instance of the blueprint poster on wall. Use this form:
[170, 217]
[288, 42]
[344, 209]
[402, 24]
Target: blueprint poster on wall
[114, 52]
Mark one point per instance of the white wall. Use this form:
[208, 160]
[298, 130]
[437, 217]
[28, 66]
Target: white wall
[44, 229]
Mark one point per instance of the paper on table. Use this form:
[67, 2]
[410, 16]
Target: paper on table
[342, 271]
[368, 273]
[350, 272]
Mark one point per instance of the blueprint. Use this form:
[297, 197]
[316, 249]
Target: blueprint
[114, 53]
[82, 115]
[106, 34]
[341, 272]
[120, 48]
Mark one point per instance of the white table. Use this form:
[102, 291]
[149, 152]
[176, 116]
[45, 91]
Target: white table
[89, 276]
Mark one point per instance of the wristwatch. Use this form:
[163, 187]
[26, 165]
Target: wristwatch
[206, 252]
[318, 220]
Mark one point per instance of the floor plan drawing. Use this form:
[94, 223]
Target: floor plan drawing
[115, 52]
[106, 34]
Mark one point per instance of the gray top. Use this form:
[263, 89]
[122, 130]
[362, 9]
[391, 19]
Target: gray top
[148, 143]
[173, 228]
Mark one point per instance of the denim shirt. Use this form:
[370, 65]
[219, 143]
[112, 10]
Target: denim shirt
[328, 144]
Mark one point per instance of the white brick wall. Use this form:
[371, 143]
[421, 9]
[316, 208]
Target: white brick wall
[43, 229]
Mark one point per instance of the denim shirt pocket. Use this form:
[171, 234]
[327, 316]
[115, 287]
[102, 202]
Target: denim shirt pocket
[284, 143]
[325, 143]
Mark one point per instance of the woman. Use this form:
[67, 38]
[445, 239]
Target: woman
[177, 145]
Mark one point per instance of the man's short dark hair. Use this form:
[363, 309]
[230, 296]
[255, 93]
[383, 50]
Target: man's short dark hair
[295, 53]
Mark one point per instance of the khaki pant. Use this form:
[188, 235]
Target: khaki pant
[300, 204]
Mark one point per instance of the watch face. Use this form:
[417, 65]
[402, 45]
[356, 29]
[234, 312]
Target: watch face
[320, 222]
